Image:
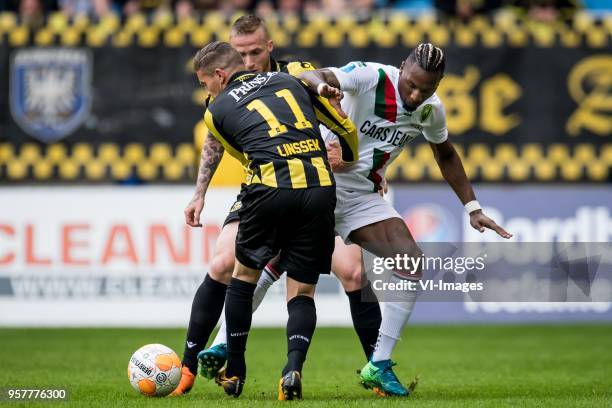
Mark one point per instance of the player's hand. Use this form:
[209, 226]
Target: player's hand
[193, 211]
[480, 222]
[383, 188]
[334, 95]
[334, 156]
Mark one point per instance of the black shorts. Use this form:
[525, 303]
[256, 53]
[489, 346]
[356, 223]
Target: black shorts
[297, 223]
[233, 212]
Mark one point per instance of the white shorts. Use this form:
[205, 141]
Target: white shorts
[356, 209]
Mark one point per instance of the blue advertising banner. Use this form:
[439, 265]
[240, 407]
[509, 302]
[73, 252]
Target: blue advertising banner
[533, 214]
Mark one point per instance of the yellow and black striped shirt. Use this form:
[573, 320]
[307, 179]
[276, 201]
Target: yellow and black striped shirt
[268, 121]
[343, 128]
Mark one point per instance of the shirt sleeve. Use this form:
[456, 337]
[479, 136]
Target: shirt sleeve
[435, 130]
[295, 68]
[343, 128]
[356, 77]
[216, 130]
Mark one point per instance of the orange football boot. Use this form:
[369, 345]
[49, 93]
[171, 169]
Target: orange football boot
[290, 386]
[186, 383]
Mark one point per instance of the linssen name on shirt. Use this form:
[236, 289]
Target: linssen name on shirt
[304, 146]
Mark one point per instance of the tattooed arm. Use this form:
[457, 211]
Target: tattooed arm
[212, 152]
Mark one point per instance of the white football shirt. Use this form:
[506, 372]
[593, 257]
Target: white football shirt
[372, 101]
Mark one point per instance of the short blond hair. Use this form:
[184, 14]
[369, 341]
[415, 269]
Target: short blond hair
[248, 24]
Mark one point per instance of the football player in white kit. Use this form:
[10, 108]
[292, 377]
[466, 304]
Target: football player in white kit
[390, 107]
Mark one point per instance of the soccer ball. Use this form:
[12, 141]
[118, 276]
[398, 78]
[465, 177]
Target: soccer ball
[154, 370]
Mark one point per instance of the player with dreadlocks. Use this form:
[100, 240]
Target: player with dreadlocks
[391, 107]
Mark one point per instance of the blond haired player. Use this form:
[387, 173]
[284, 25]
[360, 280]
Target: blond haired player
[251, 39]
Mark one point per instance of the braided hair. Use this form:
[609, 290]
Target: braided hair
[429, 57]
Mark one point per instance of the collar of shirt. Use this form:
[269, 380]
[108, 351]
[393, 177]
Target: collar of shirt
[274, 66]
[236, 75]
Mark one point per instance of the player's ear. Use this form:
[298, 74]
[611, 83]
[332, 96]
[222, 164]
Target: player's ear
[270, 45]
[221, 74]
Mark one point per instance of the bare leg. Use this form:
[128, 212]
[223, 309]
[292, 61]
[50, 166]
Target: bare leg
[389, 238]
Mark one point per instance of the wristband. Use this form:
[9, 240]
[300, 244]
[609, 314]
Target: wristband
[320, 87]
[472, 206]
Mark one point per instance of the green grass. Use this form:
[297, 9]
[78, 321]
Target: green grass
[459, 366]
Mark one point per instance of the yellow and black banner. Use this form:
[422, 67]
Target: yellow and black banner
[114, 102]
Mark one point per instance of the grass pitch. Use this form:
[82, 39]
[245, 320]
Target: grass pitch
[459, 366]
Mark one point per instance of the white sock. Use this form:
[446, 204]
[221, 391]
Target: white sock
[266, 280]
[395, 315]
[263, 284]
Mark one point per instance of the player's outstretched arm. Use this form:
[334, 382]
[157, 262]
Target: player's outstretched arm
[326, 102]
[212, 152]
[451, 167]
[317, 77]
[323, 82]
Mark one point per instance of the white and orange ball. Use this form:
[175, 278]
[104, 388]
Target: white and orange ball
[154, 370]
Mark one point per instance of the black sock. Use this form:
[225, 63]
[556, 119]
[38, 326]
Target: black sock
[300, 328]
[238, 314]
[205, 312]
[365, 312]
